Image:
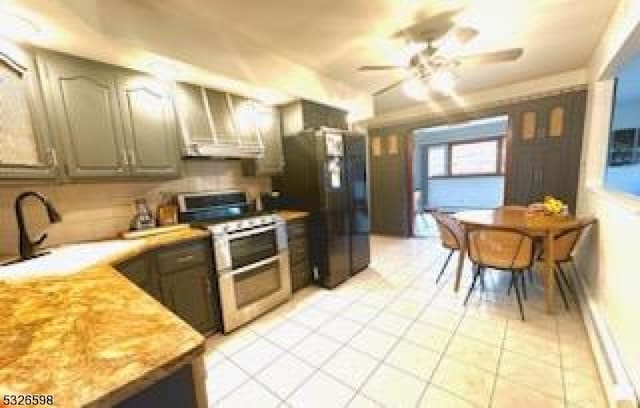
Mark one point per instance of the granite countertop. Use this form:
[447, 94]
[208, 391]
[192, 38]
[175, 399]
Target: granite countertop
[291, 215]
[91, 338]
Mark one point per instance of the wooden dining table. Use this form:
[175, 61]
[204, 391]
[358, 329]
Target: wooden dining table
[546, 227]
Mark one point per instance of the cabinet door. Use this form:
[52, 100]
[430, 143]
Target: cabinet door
[149, 124]
[222, 116]
[188, 294]
[83, 100]
[192, 113]
[25, 149]
[140, 271]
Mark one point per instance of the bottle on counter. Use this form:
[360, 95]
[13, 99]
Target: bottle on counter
[143, 218]
[167, 213]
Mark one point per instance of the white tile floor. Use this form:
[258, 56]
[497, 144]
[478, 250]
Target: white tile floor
[390, 337]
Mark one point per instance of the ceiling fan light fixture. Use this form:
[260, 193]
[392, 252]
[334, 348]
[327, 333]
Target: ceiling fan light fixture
[416, 88]
[443, 82]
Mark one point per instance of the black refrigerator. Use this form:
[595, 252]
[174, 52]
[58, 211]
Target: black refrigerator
[326, 174]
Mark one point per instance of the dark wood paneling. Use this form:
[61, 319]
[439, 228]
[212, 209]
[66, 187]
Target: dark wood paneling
[389, 187]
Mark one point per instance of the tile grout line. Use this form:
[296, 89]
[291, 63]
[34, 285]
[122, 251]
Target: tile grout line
[399, 338]
[444, 352]
[497, 374]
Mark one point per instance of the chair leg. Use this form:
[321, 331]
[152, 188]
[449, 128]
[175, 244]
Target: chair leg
[510, 286]
[566, 280]
[515, 286]
[444, 267]
[564, 298]
[482, 284]
[476, 273]
[530, 272]
[524, 284]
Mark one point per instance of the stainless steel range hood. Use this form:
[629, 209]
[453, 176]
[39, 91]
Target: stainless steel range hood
[215, 124]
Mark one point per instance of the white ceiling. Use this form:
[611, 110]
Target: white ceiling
[335, 37]
[251, 40]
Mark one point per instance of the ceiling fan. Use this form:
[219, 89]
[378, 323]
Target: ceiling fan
[429, 69]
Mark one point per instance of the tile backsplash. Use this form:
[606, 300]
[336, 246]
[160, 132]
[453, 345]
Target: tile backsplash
[102, 210]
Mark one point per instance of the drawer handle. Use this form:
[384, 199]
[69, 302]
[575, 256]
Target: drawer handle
[184, 259]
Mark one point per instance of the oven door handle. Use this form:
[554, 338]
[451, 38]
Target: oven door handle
[248, 233]
[252, 266]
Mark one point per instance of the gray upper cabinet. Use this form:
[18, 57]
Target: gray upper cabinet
[269, 125]
[150, 126]
[25, 148]
[82, 99]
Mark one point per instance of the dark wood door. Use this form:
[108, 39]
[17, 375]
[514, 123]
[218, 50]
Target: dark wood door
[188, 294]
[545, 149]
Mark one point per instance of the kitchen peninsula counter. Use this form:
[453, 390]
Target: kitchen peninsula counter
[93, 338]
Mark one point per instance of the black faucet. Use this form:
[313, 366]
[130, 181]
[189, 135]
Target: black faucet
[27, 247]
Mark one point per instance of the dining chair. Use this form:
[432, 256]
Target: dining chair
[564, 247]
[451, 235]
[503, 249]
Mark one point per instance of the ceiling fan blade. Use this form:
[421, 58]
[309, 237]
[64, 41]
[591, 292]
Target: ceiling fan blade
[390, 87]
[379, 67]
[429, 28]
[491, 57]
[464, 34]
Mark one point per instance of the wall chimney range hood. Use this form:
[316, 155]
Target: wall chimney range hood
[219, 125]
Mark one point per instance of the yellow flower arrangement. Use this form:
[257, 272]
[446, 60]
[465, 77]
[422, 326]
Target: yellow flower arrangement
[553, 205]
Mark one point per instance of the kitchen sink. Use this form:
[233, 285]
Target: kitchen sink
[66, 259]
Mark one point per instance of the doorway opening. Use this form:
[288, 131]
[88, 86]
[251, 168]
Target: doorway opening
[457, 167]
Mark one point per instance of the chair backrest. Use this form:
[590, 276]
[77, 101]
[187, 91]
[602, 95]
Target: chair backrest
[500, 247]
[566, 241]
[451, 232]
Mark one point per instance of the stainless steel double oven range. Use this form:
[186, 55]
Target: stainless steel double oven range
[250, 251]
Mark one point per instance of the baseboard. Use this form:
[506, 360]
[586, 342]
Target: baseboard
[617, 386]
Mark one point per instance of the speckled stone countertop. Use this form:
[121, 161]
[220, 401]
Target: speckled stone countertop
[291, 215]
[90, 338]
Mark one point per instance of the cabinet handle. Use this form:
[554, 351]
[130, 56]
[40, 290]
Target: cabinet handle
[184, 259]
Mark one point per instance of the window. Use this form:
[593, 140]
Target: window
[462, 159]
[437, 161]
[623, 154]
[475, 158]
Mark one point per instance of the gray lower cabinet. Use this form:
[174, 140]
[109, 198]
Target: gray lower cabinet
[187, 293]
[150, 126]
[82, 99]
[299, 265]
[180, 277]
[140, 271]
[25, 147]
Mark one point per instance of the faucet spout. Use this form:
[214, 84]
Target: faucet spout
[27, 247]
